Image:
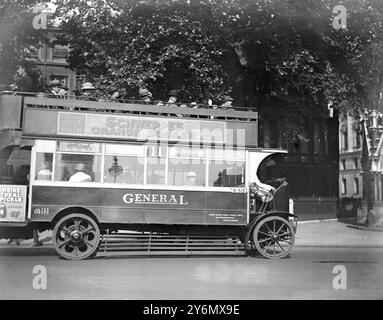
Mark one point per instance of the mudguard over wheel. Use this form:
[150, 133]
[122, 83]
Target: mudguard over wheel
[76, 236]
[273, 237]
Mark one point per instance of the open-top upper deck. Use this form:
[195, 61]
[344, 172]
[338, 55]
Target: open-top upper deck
[74, 118]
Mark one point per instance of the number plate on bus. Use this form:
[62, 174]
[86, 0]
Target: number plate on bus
[238, 190]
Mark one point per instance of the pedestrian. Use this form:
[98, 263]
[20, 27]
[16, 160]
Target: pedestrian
[22, 81]
[36, 242]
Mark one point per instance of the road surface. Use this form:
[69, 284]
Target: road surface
[307, 274]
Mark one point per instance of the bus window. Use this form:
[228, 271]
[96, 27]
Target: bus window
[18, 166]
[226, 174]
[67, 165]
[227, 167]
[124, 169]
[187, 166]
[186, 172]
[44, 166]
[270, 171]
[156, 165]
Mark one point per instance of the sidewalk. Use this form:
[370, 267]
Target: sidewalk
[337, 234]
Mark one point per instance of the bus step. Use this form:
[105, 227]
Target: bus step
[165, 244]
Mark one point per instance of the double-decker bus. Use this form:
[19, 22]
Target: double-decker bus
[93, 168]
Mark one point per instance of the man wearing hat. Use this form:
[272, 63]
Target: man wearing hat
[55, 88]
[227, 105]
[145, 95]
[22, 81]
[172, 97]
[63, 91]
[80, 175]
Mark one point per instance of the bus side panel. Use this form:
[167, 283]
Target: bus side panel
[173, 207]
[47, 201]
[146, 206]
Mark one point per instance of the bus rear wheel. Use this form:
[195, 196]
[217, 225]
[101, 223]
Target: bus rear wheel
[273, 237]
[76, 236]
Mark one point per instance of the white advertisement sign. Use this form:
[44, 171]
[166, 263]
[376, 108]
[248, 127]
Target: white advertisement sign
[13, 199]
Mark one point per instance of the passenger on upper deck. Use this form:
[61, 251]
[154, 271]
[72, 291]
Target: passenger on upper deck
[227, 105]
[145, 95]
[22, 82]
[172, 98]
[115, 95]
[57, 90]
[87, 92]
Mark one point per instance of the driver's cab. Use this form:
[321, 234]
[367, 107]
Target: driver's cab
[268, 185]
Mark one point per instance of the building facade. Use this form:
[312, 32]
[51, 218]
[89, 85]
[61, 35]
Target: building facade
[50, 60]
[361, 167]
[351, 183]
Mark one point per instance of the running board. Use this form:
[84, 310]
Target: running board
[145, 244]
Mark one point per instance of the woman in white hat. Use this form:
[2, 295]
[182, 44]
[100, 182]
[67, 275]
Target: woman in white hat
[87, 92]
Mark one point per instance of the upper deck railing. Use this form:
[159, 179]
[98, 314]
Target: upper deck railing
[12, 102]
[44, 116]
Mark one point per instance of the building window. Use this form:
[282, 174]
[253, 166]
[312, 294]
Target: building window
[344, 186]
[356, 185]
[356, 163]
[63, 79]
[59, 52]
[357, 138]
[343, 164]
[344, 135]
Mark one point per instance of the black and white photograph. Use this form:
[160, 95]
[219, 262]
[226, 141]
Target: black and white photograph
[191, 154]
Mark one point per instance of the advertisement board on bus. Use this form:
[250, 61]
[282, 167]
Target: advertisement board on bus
[13, 200]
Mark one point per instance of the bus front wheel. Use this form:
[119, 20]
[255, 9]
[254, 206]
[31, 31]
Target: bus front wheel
[76, 236]
[273, 237]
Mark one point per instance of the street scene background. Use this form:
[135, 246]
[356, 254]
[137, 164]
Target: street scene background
[312, 73]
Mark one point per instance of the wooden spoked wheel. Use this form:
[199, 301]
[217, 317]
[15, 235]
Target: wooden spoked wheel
[273, 237]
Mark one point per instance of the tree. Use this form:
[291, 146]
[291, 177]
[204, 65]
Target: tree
[281, 57]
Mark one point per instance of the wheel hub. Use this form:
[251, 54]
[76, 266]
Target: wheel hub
[76, 236]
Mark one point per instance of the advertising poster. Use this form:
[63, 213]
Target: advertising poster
[13, 199]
